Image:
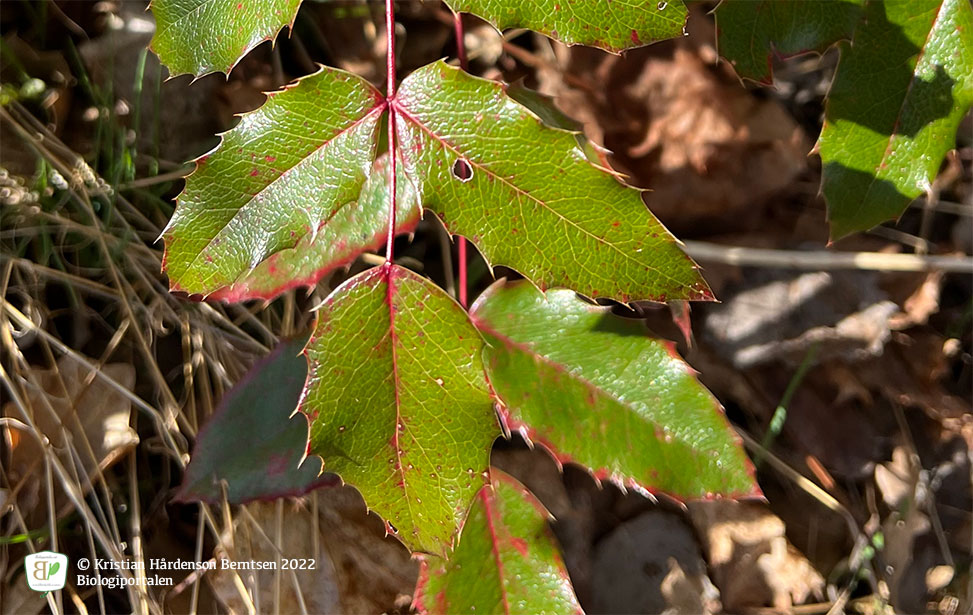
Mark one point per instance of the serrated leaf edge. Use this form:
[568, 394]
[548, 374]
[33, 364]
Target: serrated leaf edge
[226, 293]
[485, 495]
[229, 69]
[389, 528]
[509, 423]
[703, 294]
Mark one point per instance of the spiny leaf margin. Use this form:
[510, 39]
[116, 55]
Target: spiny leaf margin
[900, 91]
[399, 404]
[596, 390]
[199, 37]
[284, 172]
[507, 560]
[751, 32]
[612, 26]
[534, 202]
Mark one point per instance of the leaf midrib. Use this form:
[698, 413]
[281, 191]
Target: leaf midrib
[398, 108]
[396, 383]
[494, 547]
[601, 392]
[380, 107]
[902, 105]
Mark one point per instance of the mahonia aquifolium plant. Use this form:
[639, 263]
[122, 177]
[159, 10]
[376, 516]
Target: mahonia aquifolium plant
[406, 388]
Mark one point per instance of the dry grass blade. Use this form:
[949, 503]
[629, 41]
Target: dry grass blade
[100, 249]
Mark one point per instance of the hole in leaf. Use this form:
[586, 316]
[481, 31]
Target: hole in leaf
[462, 170]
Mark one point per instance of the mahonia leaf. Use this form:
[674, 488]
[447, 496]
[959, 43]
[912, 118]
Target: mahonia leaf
[353, 229]
[595, 389]
[901, 88]
[399, 403]
[544, 108]
[507, 560]
[524, 193]
[610, 25]
[205, 36]
[278, 181]
[252, 442]
[752, 31]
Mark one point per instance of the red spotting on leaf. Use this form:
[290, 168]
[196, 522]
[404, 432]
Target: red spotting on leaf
[509, 315]
[520, 544]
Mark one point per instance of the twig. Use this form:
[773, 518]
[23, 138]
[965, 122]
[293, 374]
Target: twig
[461, 243]
[823, 260]
[161, 178]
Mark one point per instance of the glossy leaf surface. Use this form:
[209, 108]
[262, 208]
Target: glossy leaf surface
[613, 25]
[275, 205]
[205, 36]
[399, 404]
[252, 442]
[524, 193]
[353, 229]
[900, 91]
[507, 560]
[751, 32]
[597, 390]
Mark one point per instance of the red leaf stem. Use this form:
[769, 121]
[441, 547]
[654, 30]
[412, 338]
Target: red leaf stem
[390, 95]
[461, 243]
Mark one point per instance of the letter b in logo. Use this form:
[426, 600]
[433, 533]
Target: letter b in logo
[46, 571]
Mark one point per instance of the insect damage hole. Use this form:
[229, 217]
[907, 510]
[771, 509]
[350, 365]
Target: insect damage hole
[462, 170]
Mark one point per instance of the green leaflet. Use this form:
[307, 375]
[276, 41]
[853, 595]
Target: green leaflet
[276, 204]
[901, 88]
[507, 560]
[613, 25]
[527, 197]
[205, 36]
[353, 229]
[251, 441]
[595, 389]
[751, 31]
[398, 402]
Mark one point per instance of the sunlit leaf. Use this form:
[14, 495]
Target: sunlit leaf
[901, 88]
[597, 390]
[524, 193]
[399, 404]
[275, 205]
[507, 560]
[614, 25]
[353, 229]
[205, 36]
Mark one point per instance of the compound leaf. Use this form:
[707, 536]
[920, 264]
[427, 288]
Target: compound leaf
[524, 193]
[610, 25]
[399, 404]
[901, 88]
[205, 36]
[751, 32]
[597, 390]
[284, 182]
[252, 442]
[507, 560]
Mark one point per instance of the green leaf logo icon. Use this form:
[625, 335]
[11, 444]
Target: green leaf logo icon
[53, 570]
